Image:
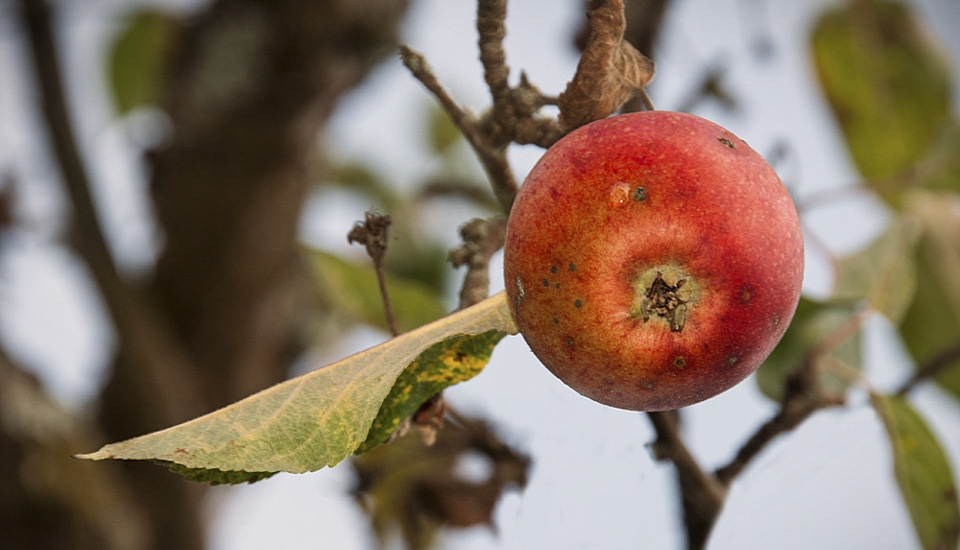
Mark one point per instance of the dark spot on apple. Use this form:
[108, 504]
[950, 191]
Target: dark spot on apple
[679, 362]
[556, 321]
[577, 303]
[573, 267]
[727, 142]
[570, 341]
[553, 269]
[546, 283]
[640, 194]
[556, 285]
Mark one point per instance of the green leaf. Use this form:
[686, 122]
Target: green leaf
[884, 273]
[812, 322]
[885, 81]
[309, 422]
[358, 177]
[932, 323]
[940, 168]
[139, 57]
[444, 134]
[460, 358]
[353, 289]
[923, 473]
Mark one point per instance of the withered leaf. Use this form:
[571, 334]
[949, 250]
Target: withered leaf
[609, 73]
[413, 489]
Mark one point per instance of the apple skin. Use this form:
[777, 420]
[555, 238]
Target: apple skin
[604, 229]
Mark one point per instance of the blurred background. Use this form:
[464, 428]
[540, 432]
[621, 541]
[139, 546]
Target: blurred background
[196, 252]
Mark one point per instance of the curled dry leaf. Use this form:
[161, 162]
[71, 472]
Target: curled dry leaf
[413, 489]
[610, 71]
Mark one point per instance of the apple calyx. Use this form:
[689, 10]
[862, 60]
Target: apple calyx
[663, 299]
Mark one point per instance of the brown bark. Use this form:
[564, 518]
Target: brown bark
[252, 84]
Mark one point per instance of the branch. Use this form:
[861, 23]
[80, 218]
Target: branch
[491, 18]
[481, 240]
[139, 332]
[803, 396]
[493, 159]
[939, 362]
[702, 495]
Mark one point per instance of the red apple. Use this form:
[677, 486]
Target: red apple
[653, 260]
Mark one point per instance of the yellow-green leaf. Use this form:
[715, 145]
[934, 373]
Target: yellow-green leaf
[139, 58]
[884, 273]
[306, 423]
[455, 360]
[812, 322]
[885, 81]
[932, 323]
[352, 288]
[923, 473]
[443, 132]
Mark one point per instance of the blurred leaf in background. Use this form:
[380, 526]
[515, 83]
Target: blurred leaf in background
[886, 82]
[412, 489]
[139, 58]
[813, 321]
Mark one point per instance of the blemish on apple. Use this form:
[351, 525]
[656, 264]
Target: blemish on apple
[727, 142]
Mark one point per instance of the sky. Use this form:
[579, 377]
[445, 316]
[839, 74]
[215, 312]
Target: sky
[594, 483]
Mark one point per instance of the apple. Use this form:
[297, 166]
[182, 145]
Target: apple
[652, 260]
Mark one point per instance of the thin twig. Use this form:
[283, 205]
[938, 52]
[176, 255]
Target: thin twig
[931, 368]
[493, 159]
[372, 233]
[803, 396]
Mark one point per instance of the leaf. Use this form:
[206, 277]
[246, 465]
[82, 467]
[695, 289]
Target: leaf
[459, 359]
[420, 488]
[932, 323]
[923, 473]
[610, 71]
[940, 168]
[139, 57]
[309, 422]
[885, 81]
[444, 134]
[884, 273]
[353, 289]
[812, 322]
[361, 179]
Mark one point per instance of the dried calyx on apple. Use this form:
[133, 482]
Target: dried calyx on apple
[652, 260]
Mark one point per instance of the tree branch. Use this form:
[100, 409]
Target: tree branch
[493, 159]
[138, 331]
[481, 239]
[947, 357]
[803, 396]
[701, 494]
